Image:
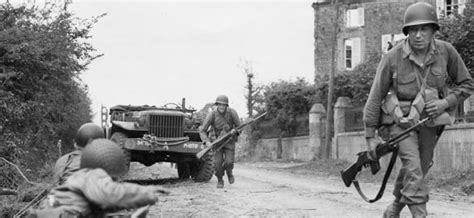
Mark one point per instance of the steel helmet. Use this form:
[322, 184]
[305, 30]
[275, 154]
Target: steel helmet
[104, 154]
[222, 99]
[420, 13]
[87, 132]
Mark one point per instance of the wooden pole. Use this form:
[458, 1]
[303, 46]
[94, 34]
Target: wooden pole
[329, 120]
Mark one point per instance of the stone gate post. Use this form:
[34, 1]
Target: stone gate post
[341, 105]
[316, 128]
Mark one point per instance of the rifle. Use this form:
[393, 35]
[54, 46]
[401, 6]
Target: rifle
[223, 140]
[349, 174]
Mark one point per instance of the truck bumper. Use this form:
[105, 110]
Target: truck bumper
[139, 144]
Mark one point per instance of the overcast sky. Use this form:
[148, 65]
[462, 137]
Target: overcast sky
[156, 52]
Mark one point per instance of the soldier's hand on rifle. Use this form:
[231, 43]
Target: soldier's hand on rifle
[372, 143]
[436, 107]
[207, 144]
[234, 132]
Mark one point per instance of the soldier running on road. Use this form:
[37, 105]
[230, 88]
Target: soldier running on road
[222, 120]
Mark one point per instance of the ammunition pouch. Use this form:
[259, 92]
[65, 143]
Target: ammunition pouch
[390, 109]
[403, 113]
[446, 118]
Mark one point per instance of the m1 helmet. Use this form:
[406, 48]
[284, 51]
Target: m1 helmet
[88, 132]
[104, 154]
[222, 99]
[420, 13]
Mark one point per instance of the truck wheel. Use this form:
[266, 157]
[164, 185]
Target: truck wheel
[183, 170]
[119, 138]
[202, 170]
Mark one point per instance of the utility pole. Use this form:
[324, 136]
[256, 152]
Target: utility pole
[326, 151]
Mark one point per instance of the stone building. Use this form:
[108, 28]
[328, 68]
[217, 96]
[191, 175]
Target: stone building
[363, 28]
[357, 29]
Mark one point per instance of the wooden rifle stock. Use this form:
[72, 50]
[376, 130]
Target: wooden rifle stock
[348, 175]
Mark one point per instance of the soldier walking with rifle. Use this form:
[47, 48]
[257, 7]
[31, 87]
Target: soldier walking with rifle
[411, 84]
[223, 119]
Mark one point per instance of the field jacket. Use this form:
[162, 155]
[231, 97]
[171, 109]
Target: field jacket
[66, 165]
[90, 190]
[398, 69]
[221, 123]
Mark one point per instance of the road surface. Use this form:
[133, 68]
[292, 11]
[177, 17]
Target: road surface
[267, 189]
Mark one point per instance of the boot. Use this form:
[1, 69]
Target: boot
[220, 182]
[393, 210]
[418, 210]
[230, 177]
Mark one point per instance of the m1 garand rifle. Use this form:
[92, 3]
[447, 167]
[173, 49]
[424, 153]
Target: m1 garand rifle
[391, 146]
[224, 139]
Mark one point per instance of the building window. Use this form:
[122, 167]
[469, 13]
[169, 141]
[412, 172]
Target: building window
[355, 17]
[448, 7]
[390, 40]
[352, 53]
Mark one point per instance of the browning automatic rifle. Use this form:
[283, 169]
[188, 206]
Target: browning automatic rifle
[223, 140]
[349, 174]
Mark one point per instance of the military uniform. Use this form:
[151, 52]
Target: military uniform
[69, 163]
[221, 124]
[92, 191]
[400, 72]
[66, 165]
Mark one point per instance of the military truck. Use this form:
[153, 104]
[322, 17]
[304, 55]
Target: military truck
[150, 134]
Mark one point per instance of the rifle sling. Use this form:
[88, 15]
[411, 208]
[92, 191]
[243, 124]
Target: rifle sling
[384, 182]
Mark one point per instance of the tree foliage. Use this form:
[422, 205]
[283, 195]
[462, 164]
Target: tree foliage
[354, 84]
[42, 99]
[286, 100]
[458, 29]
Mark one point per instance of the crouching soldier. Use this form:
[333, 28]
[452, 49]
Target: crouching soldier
[92, 191]
[70, 163]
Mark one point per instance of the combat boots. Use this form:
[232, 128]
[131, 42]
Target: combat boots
[230, 176]
[220, 182]
[393, 210]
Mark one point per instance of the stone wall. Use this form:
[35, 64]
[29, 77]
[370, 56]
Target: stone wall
[454, 150]
[292, 148]
[299, 148]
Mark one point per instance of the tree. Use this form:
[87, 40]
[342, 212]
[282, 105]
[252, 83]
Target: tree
[42, 53]
[354, 84]
[253, 96]
[286, 100]
[458, 29]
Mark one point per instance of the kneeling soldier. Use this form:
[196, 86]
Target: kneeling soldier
[92, 191]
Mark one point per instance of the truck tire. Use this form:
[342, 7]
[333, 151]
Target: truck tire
[119, 138]
[183, 170]
[202, 170]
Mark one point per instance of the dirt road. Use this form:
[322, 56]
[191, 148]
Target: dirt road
[267, 189]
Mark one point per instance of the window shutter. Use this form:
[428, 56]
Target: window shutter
[440, 7]
[356, 52]
[348, 18]
[461, 6]
[361, 16]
